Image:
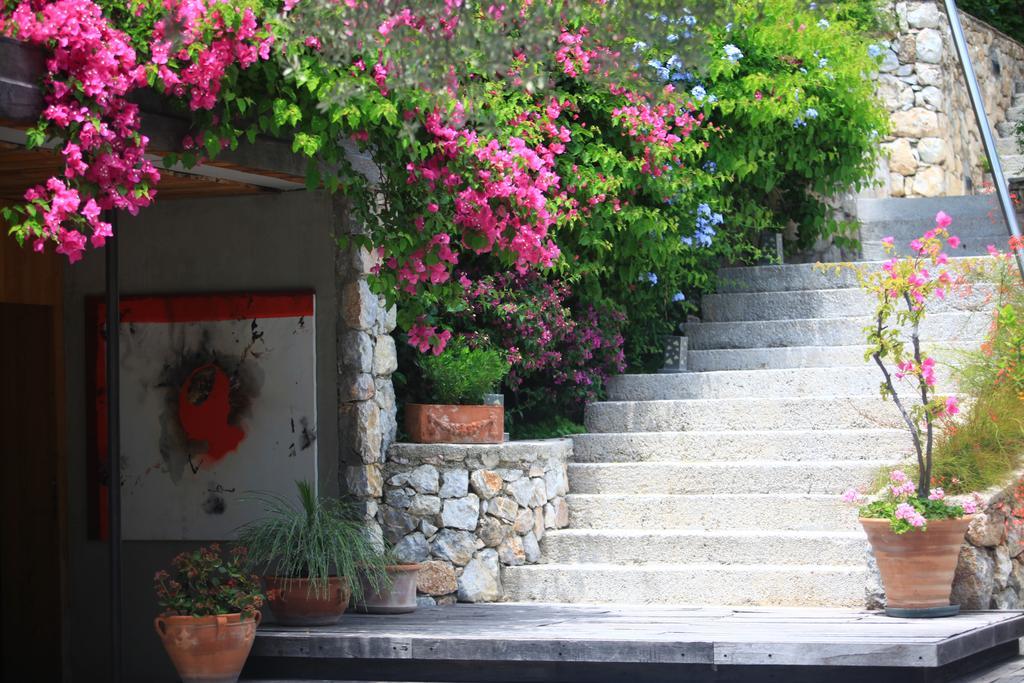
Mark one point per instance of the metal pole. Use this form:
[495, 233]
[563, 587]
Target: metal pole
[983, 125]
[113, 292]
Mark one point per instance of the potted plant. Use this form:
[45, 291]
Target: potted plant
[914, 531]
[397, 595]
[458, 378]
[310, 554]
[210, 609]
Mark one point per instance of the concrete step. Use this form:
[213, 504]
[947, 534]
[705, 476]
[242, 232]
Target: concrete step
[690, 584]
[721, 512]
[724, 547]
[849, 412]
[972, 244]
[821, 303]
[918, 213]
[793, 446]
[718, 477]
[1005, 129]
[864, 379]
[796, 277]
[1015, 113]
[710, 360]
[1013, 165]
[1007, 146]
[957, 326]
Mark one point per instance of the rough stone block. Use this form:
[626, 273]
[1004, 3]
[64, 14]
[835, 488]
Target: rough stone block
[396, 523]
[425, 506]
[521, 491]
[929, 46]
[385, 356]
[924, 15]
[932, 150]
[355, 387]
[503, 508]
[931, 182]
[436, 578]
[486, 483]
[412, 549]
[454, 483]
[481, 580]
[532, 548]
[511, 551]
[973, 583]
[355, 351]
[455, 546]
[915, 123]
[987, 529]
[524, 522]
[358, 305]
[360, 434]
[461, 513]
[425, 479]
[492, 531]
[364, 481]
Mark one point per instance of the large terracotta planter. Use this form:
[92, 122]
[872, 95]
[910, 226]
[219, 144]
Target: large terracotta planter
[295, 603]
[208, 649]
[435, 423]
[917, 567]
[398, 598]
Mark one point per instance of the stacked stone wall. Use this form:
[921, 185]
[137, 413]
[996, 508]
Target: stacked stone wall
[466, 511]
[935, 146]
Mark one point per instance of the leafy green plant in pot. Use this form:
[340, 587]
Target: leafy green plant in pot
[210, 607]
[458, 378]
[311, 554]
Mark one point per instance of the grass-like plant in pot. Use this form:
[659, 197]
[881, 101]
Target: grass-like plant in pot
[457, 380]
[312, 554]
[210, 607]
[914, 530]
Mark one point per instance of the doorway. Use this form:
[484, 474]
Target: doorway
[30, 580]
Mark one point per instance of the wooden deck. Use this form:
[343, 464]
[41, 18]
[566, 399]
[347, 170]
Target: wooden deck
[534, 642]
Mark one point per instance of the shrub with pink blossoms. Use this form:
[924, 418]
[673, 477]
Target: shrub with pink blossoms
[902, 288]
[906, 508]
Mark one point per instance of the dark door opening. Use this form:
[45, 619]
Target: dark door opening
[30, 580]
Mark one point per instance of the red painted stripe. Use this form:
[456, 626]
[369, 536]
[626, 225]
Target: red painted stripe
[186, 308]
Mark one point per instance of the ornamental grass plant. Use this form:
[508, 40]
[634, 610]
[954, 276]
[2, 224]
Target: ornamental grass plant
[315, 539]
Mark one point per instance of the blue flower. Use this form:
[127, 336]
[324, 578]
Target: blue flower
[698, 92]
[712, 99]
[732, 53]
[811, 113]
[710, 167]
[824, 24]
[799, 123]
[650, 277]
[822, 63]
[678, 296]
[672, 37]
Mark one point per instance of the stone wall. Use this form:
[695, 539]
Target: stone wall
[990, 572]
[935, 147]
[464, 511]
[367, 413]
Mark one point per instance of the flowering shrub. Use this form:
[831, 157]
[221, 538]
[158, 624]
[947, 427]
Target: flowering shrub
[908, 508]
[902, 287]
[204, 582]
[785, 84]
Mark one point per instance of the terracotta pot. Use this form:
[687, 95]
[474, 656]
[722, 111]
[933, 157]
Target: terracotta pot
[433, 423]
[917, 567]
[208, 649]
[399, 598]
[295, 603]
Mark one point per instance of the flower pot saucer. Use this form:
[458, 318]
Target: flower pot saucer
[923, 612]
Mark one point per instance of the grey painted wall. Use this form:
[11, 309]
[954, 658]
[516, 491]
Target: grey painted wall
[258, 243]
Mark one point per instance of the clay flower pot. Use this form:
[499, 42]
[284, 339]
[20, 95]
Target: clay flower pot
[295, 603]
[208, 649]
[398, 598]
[917, 567]
[436, 423]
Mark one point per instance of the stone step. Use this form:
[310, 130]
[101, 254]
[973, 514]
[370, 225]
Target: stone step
[718, 477]
[820, 303]
[789, 278]
[918, 213]
[971, 245]
[864, 379]
[1007, 146]
[976, 232]
[1015, 113]
[750, 547]
[1013, 165]
[1005, 129]
[691, 584]
[721, 512]
[850, 412]
[793, 446]
[710, 360]
[957, 326]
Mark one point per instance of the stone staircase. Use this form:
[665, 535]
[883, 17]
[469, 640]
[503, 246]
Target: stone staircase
[720, 485]
[1010, 153]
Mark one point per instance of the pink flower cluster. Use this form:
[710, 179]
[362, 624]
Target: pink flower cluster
[427, 338]
[900, 484]
[204, 46]
[91, 69]
[912, 516]
[659, 127]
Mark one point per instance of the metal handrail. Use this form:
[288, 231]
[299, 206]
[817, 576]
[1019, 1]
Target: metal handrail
[1002, 190]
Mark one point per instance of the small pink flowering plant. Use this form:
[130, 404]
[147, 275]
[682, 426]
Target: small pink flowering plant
[902, 503]
[902, 288]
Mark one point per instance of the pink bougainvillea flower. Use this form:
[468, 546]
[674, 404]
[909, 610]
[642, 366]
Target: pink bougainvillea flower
[943, 220]
[952, 405]
[954, 242]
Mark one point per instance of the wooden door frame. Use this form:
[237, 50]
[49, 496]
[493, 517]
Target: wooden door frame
[37, 279]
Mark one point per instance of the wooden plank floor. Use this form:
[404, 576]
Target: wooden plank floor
[648, 635]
